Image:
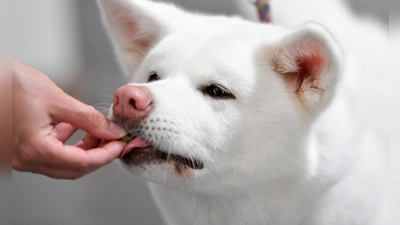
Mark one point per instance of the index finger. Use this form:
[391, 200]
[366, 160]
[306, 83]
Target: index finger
[87, 118]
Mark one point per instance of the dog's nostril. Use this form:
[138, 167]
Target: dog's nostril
[132, 102]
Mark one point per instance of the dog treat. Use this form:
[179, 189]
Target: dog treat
[127, 138]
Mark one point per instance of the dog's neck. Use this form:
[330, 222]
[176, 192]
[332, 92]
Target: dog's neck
[250, 207]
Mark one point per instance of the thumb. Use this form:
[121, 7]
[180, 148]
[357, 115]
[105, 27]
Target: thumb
[85, 117]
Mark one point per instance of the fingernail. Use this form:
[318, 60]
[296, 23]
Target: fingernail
[117, 129]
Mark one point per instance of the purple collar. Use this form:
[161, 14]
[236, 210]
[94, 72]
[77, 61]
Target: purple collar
[263, 10]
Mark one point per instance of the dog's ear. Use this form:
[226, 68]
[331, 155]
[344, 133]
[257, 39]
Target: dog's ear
[135, 26]
[308, 59]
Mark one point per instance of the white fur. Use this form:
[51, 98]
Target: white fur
[270, 156]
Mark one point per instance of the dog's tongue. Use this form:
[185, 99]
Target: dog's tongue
[135, 143]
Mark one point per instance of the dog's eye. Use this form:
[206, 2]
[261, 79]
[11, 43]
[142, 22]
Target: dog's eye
[153, 77]
[218, 92]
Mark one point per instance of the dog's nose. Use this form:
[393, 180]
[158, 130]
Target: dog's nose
[132, 102]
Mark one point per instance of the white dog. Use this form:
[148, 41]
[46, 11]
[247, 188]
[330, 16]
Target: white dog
[236, 122]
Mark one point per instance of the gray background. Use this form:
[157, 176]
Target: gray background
[109, 195]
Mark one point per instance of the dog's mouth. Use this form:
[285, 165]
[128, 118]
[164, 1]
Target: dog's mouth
[138, 152]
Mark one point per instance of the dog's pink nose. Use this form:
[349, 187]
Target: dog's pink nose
[132, 102]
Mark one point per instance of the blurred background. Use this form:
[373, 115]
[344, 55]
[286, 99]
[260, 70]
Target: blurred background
[66, 40]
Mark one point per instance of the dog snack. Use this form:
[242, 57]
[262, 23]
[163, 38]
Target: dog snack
[127, 138]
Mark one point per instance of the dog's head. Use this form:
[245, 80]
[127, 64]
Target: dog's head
[217, 103]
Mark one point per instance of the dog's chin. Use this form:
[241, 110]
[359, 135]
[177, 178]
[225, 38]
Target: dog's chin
[149, 160]
[151, 165]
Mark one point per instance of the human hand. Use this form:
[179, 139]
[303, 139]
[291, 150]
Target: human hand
[44, 117]
[5, 115]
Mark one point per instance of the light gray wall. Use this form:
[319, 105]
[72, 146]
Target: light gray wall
[45, 36]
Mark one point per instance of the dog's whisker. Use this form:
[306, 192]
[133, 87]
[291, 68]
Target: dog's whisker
[168, 151]
[140, 193]
[104, 111]
[165, 178]
[194, 165]
[138, 50]
[116, 174]
[124, 79]
[102, 108]
[195, 177]
[145, 173]
[258, 207]
[99, 93]
[104, 103]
